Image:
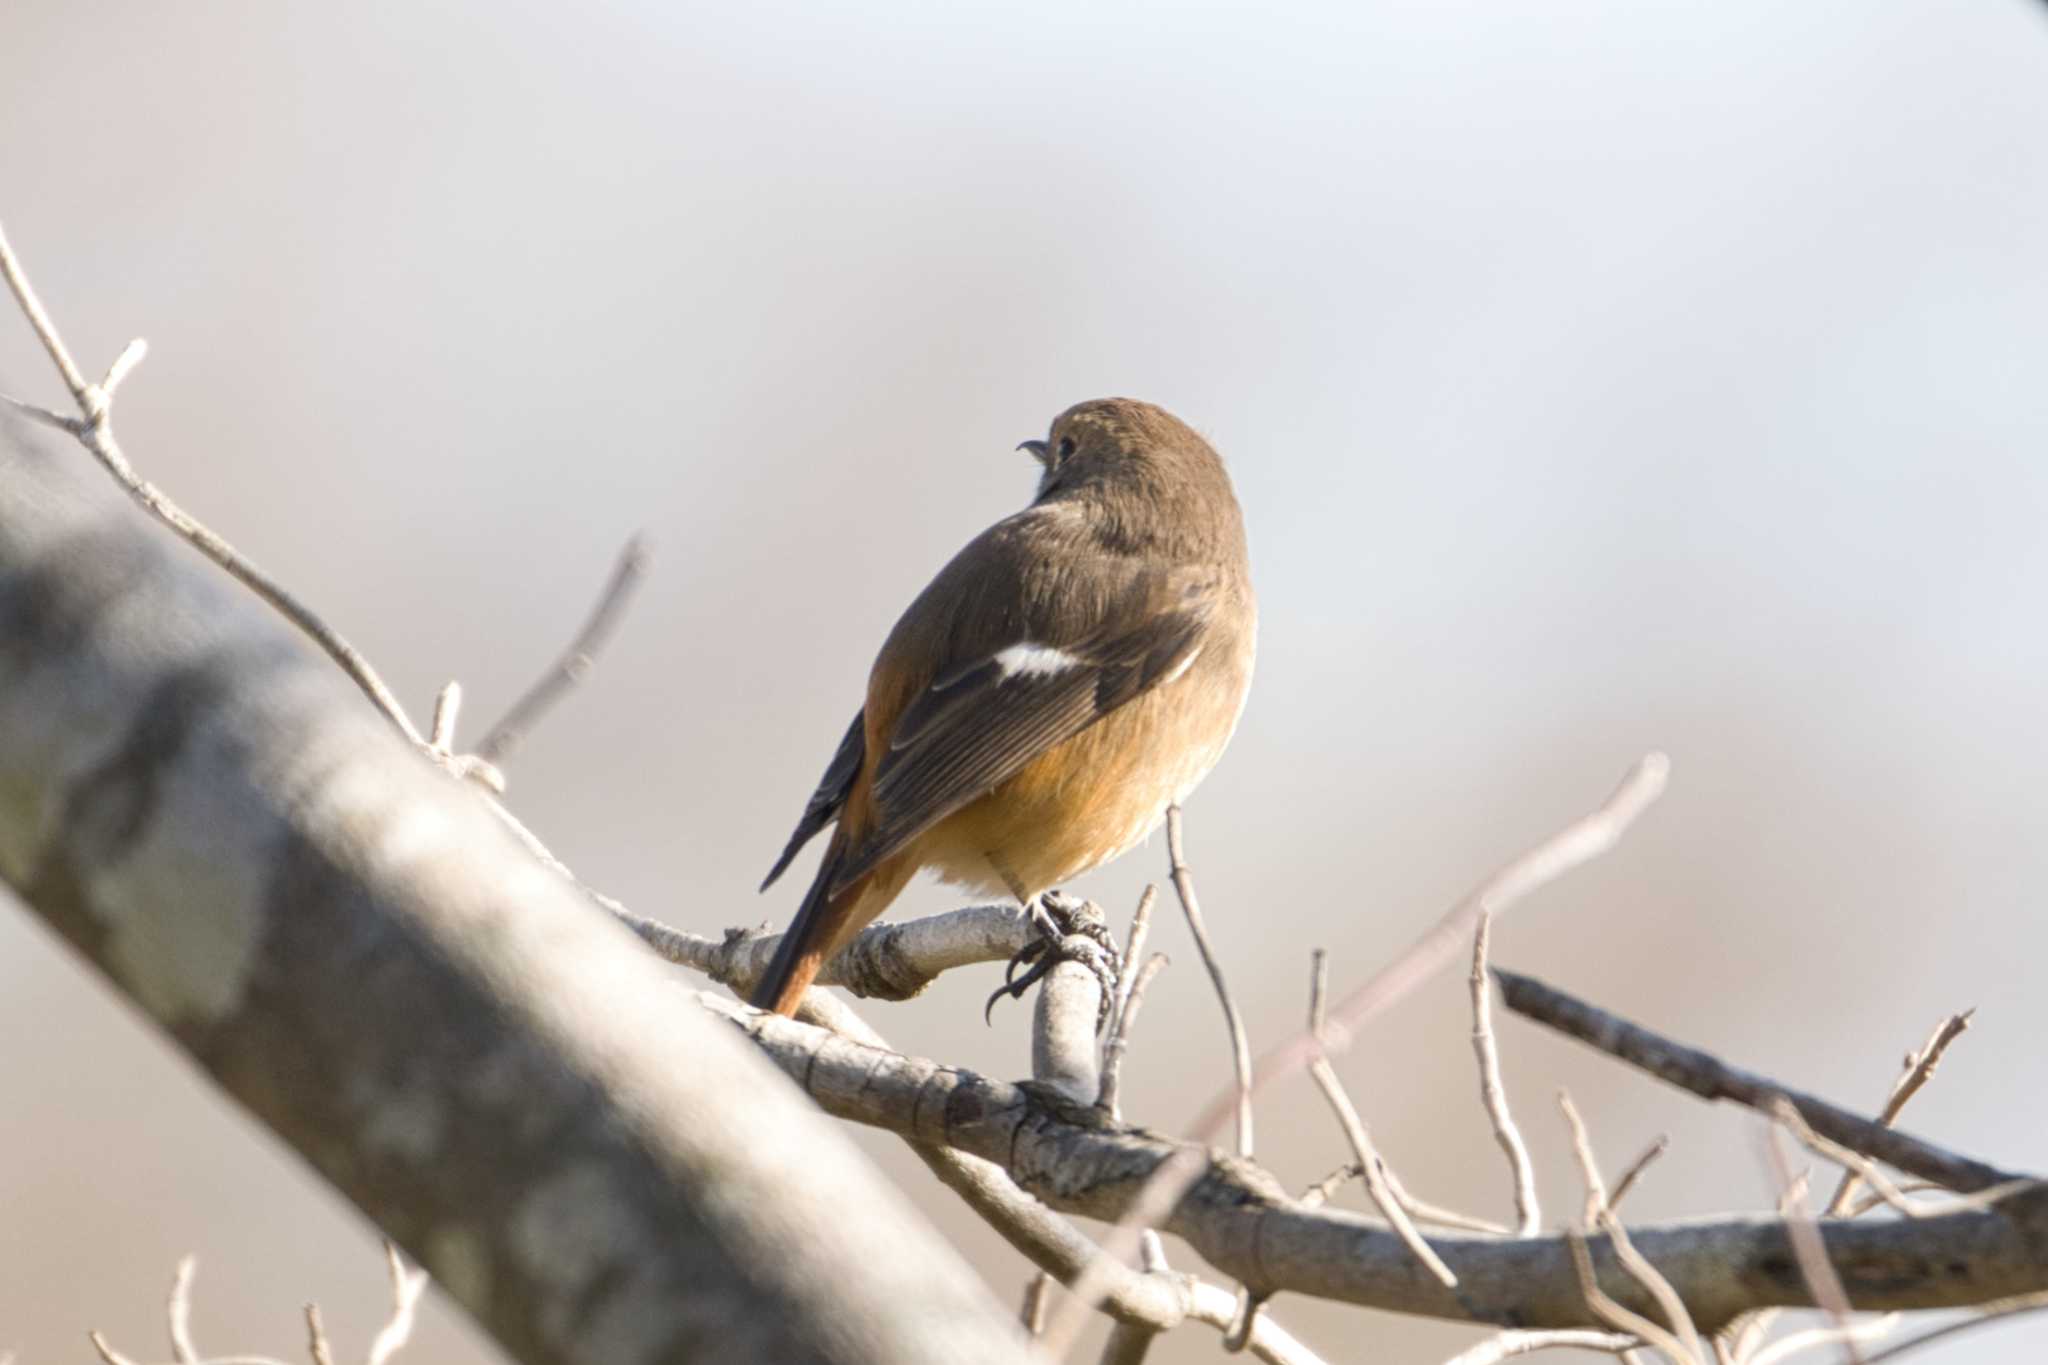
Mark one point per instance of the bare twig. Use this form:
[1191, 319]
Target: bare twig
[1361, 1142]
[576, 662]
[1036, 1292]
[1682, 1341]
[1577, 843]
[1614, 1314]
[406, 1288]
[1507, 1345]
[1917, 1072]
[178, 1312]
[1240, 1044]
[1635, 1170]
[1849, 1334]
[106, 1352]
[1422, 1211]
[1177, 1174]
[316, 1337]
[1493, 1092]
[94, 430]
[1991, 1316]
[1134, 949]
[1710, 1078]
[1135, 973]
[1808, 1246]
[1120, 1038]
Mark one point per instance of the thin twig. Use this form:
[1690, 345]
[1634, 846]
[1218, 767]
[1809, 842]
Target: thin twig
[1992, 1315]
[1605, 1308]
[1582, 840]
[1849, 1334]
[1710, 1078]
[1037, 1290]
[1174, 1177]
[447, 707]
[316, 1337]
[1240, 1044]
[1577, 843]
[1493, 1092]
[106, 1352]
[95, 431]
[1134, 945]
[178, 1312]
[1361, 1142]
[1422, 1211]
[1809, 1249]
[576, 661]
[406, 1288]
[1747, 1333]
[1635, 1170]
[1682, 1341]
[1120, 1039]
[1917, 1072]
[1507, 1345]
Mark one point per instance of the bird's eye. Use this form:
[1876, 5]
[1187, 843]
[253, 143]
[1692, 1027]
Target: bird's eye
[1066, 446]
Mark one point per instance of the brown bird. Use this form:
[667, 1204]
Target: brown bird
[1075, 670]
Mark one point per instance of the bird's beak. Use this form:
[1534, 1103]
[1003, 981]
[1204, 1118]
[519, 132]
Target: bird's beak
[1037, 448]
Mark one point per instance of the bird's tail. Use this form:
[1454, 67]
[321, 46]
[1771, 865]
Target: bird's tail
[808, 940]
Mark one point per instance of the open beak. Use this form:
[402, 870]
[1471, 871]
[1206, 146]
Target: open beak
[1037, 448]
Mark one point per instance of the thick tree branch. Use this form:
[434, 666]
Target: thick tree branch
[1239, 1219]
[355, 948]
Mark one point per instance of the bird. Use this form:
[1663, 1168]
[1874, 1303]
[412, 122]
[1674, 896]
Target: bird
[1072, 672]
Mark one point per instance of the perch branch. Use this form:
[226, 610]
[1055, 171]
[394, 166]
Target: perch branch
[1239, 1218]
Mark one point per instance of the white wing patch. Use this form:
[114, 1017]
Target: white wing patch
[1034, 661]
[1183, 666]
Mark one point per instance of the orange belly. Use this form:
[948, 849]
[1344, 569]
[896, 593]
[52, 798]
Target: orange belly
[1083, 802]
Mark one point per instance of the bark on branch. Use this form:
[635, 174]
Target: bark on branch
[1241, 1221]
[355, 948]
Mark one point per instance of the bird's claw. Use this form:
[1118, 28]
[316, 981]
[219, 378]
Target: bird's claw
[1071, 930]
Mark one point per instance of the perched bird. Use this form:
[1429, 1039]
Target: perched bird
[1075, 670]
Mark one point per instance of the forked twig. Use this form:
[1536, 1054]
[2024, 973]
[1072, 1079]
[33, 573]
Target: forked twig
[94, 430]
[1681, 1341]
[1917, 1072]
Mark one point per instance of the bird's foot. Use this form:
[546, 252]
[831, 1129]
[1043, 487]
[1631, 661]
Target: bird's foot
[1071, 930]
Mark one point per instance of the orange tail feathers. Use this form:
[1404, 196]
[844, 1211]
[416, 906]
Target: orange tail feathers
[823, 925]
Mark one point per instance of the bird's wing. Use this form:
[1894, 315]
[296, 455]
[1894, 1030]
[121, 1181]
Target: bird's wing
[823, 807]
[1069, 644]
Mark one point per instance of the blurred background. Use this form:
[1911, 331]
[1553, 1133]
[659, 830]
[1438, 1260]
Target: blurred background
[1597, 376]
